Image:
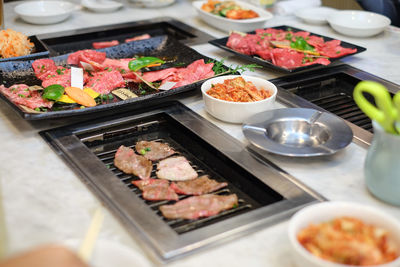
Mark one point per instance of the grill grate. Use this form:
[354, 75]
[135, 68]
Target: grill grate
[178, 225]
[334, 94]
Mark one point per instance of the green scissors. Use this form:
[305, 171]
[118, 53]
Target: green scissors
[387, 110]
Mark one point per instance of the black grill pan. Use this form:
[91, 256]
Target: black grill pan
[267, 194]
[69, 41]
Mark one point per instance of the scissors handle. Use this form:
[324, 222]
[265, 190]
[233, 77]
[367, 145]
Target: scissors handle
[384, 112]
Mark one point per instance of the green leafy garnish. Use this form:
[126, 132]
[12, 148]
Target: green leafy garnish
[142, 151]
[219, 67]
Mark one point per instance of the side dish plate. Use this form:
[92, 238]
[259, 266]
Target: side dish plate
[15, 72]
[298, 132]
[221, 43]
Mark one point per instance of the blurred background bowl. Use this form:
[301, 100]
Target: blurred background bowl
[227, 25]
[237, 112]
[45, 12]
[358, 23]
[327, 211]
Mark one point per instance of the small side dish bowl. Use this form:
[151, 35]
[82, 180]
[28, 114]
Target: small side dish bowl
[316, 15]
[358, 23]
[226, 25]
[45, 12]
[327, 211]
[103, 6]
[237, 112]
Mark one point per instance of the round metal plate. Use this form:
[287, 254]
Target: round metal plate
[297, 132]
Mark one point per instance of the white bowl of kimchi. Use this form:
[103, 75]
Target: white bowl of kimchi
[241, 105]
[344, 234]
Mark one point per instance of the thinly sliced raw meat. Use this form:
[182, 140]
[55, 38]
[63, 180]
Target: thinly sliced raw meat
[98, 45]
[199, 186]
[44, 67]
[199, 206]
[61, 76]
[137, 38]
[21, 95]
[286, 58]
[159, 75]
[175, 169]
[154, 150]
[104, 82]
[156, 189]
[92, 57]
[333, 49]
[131, 163]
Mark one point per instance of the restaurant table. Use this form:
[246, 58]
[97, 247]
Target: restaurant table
[44, 201]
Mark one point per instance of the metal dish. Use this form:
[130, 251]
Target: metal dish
[298, 132]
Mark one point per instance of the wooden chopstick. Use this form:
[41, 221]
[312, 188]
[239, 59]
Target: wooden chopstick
[88, 242]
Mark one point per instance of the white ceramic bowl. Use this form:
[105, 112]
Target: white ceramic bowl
[45, 12]
[237, 112]
[357, 23]
[226, 25]
[315, 15]
[101, 6]
[327, 211]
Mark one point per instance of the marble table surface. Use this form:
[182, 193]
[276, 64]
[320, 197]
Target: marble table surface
[44, 201]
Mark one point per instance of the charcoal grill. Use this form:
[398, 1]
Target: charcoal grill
[331, 89]
[266, 193]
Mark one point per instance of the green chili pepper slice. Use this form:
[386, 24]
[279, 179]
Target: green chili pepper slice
[301, 44]
[142, 62]
[53, 92]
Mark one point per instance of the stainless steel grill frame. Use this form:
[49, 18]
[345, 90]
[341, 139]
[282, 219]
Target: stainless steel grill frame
[162, 241]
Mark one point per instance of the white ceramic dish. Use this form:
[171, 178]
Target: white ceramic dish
[327, 211]
[101, 6]
[45, 12]
[315, 15]
[152, 3]
[358, 23]
[237, 112]
[227, 25]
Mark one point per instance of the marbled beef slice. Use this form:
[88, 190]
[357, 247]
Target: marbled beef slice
[153, 150]
[199, 186]
[131, 163]
[175, 169]
[199, 206]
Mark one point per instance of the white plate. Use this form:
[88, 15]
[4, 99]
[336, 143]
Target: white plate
[152, 3]
[358, 23]
[315, 15]
[101, 6]
[45, 12]
[224, 24]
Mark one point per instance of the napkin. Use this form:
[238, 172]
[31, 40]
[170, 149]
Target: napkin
[288, 7]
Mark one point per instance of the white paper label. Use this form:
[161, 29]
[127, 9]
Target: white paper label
[77, 77]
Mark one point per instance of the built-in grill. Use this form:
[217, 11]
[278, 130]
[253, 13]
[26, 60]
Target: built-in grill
[331, 89]
[266, 194]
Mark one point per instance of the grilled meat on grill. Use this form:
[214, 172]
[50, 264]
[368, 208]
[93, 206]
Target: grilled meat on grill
[199, 186]
[175, 169]
[199, 206]
[156, 189]
[131, 163]
[154, 150]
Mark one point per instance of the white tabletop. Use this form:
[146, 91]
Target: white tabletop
[44, 200]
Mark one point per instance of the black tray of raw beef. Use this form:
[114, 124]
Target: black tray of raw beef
[286, 48]
[22, 86]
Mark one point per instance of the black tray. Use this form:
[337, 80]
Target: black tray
[68, 41]
[39, 51]
[14, 72]
[221, 43]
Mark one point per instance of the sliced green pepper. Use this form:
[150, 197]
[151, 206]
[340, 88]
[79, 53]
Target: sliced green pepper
[142, 62]
[53, 92]
[301, 44]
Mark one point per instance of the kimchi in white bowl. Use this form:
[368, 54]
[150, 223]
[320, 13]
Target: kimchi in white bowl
[236, 106]
[344, 234]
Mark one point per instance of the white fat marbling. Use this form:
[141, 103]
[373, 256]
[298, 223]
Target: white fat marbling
[44, 201]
